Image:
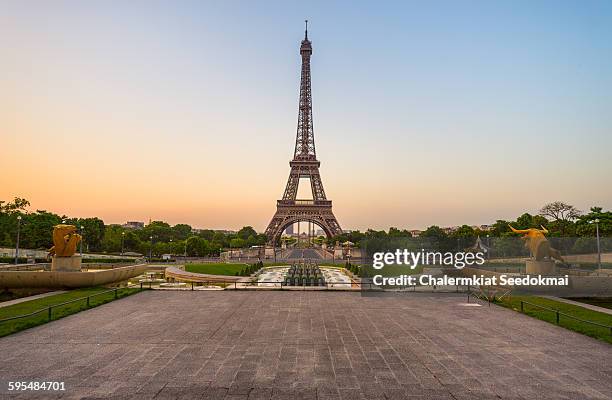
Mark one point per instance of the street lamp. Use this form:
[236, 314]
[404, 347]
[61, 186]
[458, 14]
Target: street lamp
[81, 251]
[122, 241]
[150, 247]
[596, 222]
[488, 246]
[17, 243]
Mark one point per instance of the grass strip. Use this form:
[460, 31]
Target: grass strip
[215, 268]
[598, 332]
[57, 311]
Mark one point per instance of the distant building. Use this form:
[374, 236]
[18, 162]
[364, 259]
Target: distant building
[133, 225]
[450, 229]
[416, 233]
[226, 231]
[132, 254]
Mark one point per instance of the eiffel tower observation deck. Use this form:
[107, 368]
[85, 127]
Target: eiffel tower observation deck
[289, 209]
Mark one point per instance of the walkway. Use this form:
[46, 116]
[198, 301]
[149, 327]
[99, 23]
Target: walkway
[309, 345]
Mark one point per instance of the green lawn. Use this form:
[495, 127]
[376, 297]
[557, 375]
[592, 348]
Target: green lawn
[215, 268]
[597, 332]
[27, 307]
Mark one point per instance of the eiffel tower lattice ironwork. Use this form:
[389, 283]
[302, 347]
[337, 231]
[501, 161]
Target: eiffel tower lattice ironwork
[290, 210]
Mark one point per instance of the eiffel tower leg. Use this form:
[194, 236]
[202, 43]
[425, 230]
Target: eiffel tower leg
[292, 185]
[317, 186]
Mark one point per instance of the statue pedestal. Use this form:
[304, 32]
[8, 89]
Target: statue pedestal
[66, 264]
[545, 267]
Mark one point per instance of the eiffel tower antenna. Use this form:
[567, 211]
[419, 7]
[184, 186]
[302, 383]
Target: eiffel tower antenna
[291, 210]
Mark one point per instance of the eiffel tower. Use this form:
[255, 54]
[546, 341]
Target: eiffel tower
[290, 210]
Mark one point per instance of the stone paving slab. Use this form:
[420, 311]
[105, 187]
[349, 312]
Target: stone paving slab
[305, 345]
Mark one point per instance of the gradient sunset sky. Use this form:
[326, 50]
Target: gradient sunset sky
[424, 112]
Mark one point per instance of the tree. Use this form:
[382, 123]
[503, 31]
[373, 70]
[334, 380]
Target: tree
[527, 221]
[464, 231]
[93, 232]
[245, 232]
[8, 219]
[111, 242]
[464, 236]
[220, 239]
[181, 231]
[394, 232]
[437, 237]
[500, 228]
[559, 211]
[207, 234]
[37, 229]
[196, 246]
[586, 227]
[251, 241]
[262, 239]
[434, 232]
[561, 216]
[237, 243]
[17, 205]
[160, 230]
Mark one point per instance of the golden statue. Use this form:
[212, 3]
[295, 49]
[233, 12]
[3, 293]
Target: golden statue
[65, 241]
[537, 243]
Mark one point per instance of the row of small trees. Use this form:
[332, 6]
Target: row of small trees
[250, 269]
[355, 269]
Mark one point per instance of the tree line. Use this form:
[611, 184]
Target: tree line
[158, 237]
[560, 219]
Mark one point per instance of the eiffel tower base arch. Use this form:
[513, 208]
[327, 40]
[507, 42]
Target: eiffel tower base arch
[289, 212]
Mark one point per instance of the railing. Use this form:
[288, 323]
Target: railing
[364, 286]
[325, 203]
[49, 309]
[558, 315]
[278, 285]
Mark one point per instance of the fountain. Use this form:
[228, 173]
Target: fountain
[65, 272]
[304, 274]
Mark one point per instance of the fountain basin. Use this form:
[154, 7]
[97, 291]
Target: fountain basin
[63, 279]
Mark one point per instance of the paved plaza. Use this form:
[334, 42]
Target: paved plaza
[311, 345]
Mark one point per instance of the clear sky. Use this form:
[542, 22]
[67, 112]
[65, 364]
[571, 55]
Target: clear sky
[424, 112]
